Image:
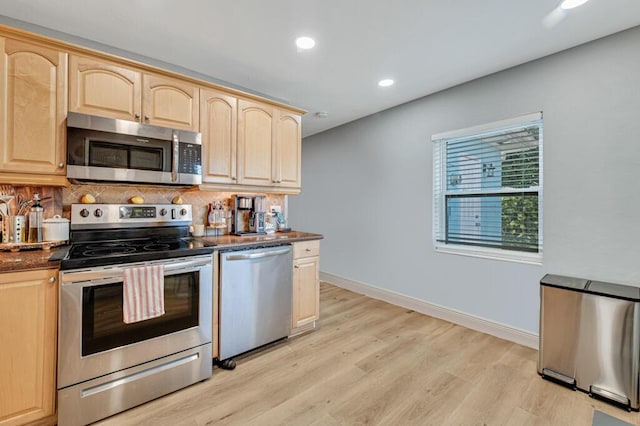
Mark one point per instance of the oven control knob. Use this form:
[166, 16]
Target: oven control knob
[84, 212]
[183, 212]
[163, 212]
[98, 213]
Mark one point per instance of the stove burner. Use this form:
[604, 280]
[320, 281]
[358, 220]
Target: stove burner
[107, 244]
[122, 245]
[103, 251]
[156, 247]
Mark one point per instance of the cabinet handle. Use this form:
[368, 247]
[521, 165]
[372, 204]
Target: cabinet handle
[137, 115]
[296, 266]
[61, 165]
[307, 249]
[52, 280]
[233, 178]
[146, 117]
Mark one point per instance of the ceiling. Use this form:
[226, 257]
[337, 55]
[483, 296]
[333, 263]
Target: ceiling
[424, 45]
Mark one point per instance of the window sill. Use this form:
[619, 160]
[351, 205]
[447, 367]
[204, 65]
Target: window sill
[493, 254]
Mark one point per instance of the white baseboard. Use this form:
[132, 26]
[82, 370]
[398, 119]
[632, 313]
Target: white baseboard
[513, 334]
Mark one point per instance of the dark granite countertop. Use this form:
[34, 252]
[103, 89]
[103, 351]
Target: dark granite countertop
[27, 259]
[235, 241]
[39, 259]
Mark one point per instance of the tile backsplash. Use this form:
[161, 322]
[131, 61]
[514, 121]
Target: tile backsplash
[51, 198]
[152, 194]
[60, 199]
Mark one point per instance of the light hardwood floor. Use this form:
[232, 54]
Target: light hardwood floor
[370, 362]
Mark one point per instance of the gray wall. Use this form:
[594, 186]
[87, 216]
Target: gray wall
[367, 185]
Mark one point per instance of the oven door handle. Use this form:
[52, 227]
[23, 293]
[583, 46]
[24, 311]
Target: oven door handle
[117, 273]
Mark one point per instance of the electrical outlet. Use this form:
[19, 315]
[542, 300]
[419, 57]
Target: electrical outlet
[276, 209]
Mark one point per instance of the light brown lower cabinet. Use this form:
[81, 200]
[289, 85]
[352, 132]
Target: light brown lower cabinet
[306, 286]
[28, 327]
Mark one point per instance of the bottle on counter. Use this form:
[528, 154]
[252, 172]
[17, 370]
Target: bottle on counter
[36, 220]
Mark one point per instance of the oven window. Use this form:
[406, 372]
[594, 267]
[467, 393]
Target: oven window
[104, 329]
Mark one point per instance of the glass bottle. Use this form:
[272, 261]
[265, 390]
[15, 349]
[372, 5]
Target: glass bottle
[36, 218]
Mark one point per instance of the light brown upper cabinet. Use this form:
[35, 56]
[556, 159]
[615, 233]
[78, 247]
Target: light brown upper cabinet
[218, 124]
[109, 89]
[103, 88]
[256, 147]
[169, 102]
[268, 146]
[286, 167]
[33, 102]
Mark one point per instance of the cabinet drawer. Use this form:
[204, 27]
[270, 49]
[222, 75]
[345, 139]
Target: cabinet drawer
[306, 249]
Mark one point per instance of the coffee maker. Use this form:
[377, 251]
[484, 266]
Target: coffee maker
[249, 214]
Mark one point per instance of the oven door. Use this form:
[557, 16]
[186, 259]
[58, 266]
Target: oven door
[95, 341]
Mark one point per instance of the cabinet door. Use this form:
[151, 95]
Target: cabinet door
[306, 291]
[255, 143]
[218, 124]
[28, 319]
[33, 97]
[288, 152]
[170, 103]
[104, 88]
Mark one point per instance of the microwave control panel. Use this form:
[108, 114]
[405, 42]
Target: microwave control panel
[190, 159]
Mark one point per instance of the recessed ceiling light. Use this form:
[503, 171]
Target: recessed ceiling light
[386, 82]
[305, 43]
[570, 4]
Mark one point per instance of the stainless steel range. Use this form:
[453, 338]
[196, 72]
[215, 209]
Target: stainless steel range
[106, 365]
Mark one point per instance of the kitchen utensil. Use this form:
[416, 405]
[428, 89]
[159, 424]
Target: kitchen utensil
[56, 229]
[5, 229]
[36, 218]
[23, 207]
[16, 230]
[198, 230]
[6, 195]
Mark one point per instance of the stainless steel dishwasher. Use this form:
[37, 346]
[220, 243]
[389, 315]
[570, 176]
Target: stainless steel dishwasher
[255, 299]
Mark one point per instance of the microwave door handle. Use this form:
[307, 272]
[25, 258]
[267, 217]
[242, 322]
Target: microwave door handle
[87, 149]
[176, 150]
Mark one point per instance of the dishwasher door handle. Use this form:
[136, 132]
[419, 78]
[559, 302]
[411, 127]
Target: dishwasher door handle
[257, 255]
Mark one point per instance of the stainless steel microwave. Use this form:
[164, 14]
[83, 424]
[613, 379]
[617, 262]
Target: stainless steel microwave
[106, 149]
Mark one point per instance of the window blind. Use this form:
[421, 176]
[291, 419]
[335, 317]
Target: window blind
[488, 186]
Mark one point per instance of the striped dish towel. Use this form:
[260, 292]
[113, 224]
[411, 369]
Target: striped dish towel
[143, 293]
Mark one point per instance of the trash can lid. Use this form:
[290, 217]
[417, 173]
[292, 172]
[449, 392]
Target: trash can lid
[601, 288]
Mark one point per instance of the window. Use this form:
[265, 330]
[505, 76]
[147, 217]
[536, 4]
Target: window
[488, 190]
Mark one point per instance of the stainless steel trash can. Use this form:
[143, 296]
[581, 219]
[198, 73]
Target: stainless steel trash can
[590, 337]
